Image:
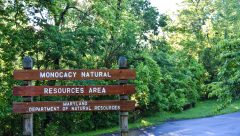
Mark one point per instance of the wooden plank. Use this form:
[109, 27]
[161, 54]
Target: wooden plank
[72, 90]
[27, 118]
[123, 116]
[96, 74]
[73, 106]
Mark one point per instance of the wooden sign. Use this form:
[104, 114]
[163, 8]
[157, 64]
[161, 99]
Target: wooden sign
[72, 90]
[28, 106]
[97, 74]
[73, 106]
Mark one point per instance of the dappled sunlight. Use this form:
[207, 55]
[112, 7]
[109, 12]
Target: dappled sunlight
[145, 123]
[236, 107]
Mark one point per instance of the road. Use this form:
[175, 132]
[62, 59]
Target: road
[222, 125]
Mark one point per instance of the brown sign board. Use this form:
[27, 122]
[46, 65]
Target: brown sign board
[73, 106]
[97, 74]
[73, 90]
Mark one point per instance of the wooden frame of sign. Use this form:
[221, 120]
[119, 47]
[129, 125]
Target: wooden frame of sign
[27, 107]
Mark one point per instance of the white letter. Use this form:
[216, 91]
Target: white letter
[83, 74]
[45, 91]
[61, 74]
[103, 90]
[42, 74]
[74, 74]
[69, 74]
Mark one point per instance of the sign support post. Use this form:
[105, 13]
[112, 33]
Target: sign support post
[27, 118]
[123, 116]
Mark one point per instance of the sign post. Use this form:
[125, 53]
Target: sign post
[28, 107]
[123, 115]
[27, 118]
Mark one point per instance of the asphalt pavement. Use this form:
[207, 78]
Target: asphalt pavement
[222, 125]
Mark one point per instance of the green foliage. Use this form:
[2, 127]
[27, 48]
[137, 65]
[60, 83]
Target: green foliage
[167, 80]
[70, 35]
[182, 78]
[210, 62]
[193, 57]
[208, 31]
[52, 130]
[148, 84]
[227, 86]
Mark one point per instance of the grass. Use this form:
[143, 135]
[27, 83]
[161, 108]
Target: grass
[202, 109]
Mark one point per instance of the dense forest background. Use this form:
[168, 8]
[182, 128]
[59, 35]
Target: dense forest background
[193, 57]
